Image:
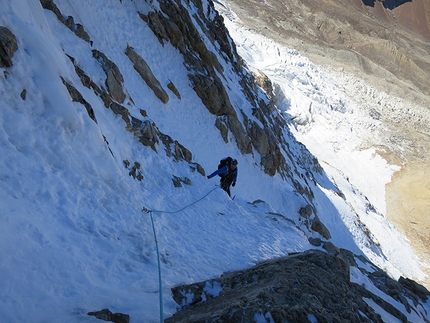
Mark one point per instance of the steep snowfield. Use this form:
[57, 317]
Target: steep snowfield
[73, 235]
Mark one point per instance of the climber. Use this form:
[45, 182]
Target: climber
[227, 170]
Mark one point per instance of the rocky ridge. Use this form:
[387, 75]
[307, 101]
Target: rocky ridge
[290, 289]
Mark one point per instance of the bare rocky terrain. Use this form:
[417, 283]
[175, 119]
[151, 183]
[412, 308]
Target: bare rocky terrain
[287, 289]
[386, 44]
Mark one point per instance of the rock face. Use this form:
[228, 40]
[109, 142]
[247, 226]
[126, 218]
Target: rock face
[69, 22]
[174, 24]
[414, 15]
[291, 288]
[77, 97]
[145, 72]
[114, 78]
[8, 46]
[107, 315]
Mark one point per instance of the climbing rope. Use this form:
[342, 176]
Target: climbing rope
[160, 285]
[160, 294]
[185, 207]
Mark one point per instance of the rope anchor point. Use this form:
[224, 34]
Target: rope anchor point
[144, 209]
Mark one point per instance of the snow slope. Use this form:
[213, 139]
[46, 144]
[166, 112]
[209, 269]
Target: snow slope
[74, 238]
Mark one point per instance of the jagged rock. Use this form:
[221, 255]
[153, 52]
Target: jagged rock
[331, 248]
[270, 163]
[117, 109]
[173, 88]
[107, 315]
[178, 181]
[213, 94]
[197, 167]
[146, 74]
[242, 139]
[69, 22]
[77, 97]
[306, 211]
[416, 288]
[147, 132]
[272, 159]
[165, 30]
[220, 124]
[175, 149]
[319, 227]
[315, 241]
[134, 171]
[149, 135]
[182, 33]
[114, 78]
[303, 190]
[103, 94]
[175, 25]
[8, 46]
[143, 113]
[265, 142]
[264, 82]
[259, 137]
[81, 33]
[287, 290]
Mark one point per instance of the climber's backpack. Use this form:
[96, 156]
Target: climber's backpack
[223, 162]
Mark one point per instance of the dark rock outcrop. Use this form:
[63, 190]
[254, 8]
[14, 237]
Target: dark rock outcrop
[178, 181]
[69, 22]
[8, 46]
[319, 227]
[291, 288]
[146, 74]
[77, 97]
[114, 78]
[107, 315]
[173, 88]
[145, 130]
[23, 94]
[104, 95]
[135, 171]
[175, 149]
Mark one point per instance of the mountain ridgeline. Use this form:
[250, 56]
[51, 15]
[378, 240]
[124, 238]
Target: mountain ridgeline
[316, 282]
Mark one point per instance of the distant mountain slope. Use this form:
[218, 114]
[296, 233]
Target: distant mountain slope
[413, 15]
[364, 39]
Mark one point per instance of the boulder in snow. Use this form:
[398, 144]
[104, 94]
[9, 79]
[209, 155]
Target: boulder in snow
[8, 46]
